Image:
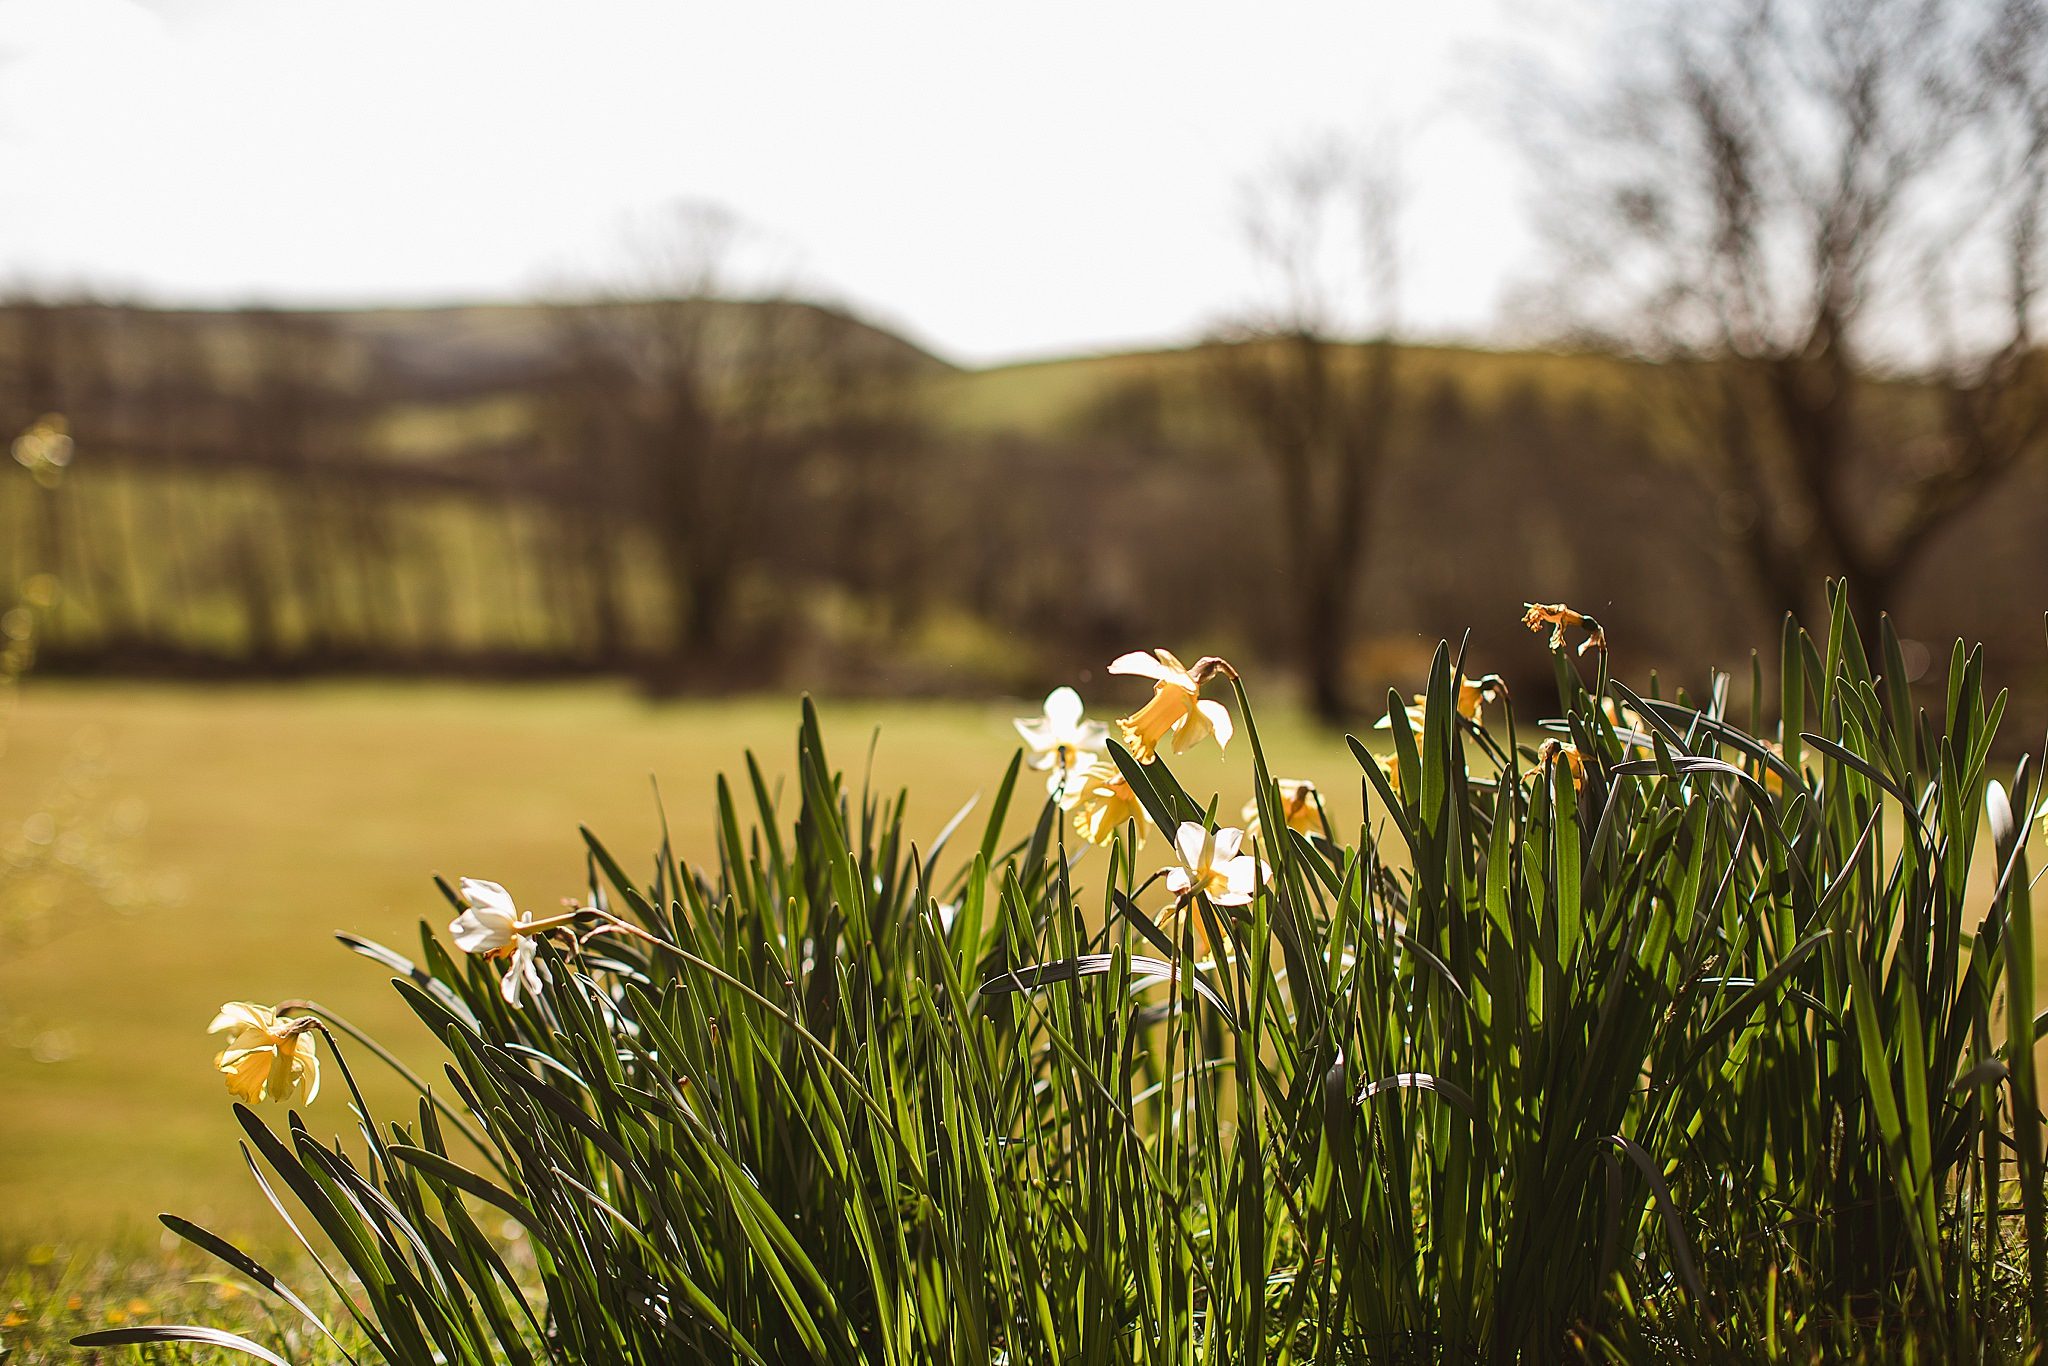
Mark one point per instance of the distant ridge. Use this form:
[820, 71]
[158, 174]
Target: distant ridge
[444, 351]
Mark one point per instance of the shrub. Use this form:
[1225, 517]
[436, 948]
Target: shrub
[1631, 1034]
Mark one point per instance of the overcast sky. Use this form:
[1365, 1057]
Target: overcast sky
[999, 180]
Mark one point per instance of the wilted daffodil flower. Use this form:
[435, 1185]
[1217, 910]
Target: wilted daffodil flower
[1177, 707]
[1297, 804]
[1212, 866]
[1564, 753]
[1101, 800]
[491, 926]
[1557, 616]
[1060, 740]
[266, 1057]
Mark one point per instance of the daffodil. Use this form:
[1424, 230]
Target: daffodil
[492, 927]
[266, 1057]
[1298, 806]
[1177, 707]
[1413, 711]
[1473, 695]
[1390, 765]
[1562, 752]
[1211, 866]
[1102, 801]
[1060, 740]
[1557, 616]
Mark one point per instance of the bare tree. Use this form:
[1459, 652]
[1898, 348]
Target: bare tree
[1311, 378]
[708, 399]
[1827, 217]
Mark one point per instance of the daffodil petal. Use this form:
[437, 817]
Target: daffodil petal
[242, 1015]
[1145, 665]
[1063, 709]
[479, 930]
[1219, 720]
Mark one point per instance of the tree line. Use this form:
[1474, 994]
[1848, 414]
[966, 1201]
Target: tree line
[1795, 310]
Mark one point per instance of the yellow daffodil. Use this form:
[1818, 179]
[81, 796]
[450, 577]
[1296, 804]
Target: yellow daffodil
[1102, 801]
[1774, 782]
[1390, 765]
[1414, 713]
[1177, 707]
[266, 1057]
[492, 927]
[1060, 740]
[1211, 866]
[1473, 695]
[1298, 804]
[1557, 617]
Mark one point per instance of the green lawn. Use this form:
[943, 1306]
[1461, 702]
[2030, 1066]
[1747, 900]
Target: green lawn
[288, 813]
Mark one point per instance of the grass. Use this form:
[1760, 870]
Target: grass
[289, 813]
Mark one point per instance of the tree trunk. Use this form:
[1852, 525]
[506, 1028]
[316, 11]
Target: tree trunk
[1322, 651]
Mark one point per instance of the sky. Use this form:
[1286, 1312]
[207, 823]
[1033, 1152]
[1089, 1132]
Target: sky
[998, 180]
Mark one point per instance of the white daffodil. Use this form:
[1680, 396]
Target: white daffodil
[1177, 707]
[1212, 866]
[1297, 805]
[266, 1057]
[1060, 740]
[492, 927]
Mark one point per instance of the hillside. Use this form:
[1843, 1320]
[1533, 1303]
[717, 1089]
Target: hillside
[437, 376]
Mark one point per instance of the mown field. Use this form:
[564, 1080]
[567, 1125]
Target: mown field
[280, 815]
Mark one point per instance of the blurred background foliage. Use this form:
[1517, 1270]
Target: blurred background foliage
[1789, 329]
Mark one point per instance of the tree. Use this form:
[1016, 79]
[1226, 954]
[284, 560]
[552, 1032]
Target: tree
[698, 404]
[1316, 402]
[1826, 217]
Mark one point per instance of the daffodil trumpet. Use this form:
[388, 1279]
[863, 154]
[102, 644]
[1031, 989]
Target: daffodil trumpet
[1103, 802]
[268, 1056]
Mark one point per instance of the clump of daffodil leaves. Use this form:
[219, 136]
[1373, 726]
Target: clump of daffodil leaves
[1672, 1027]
